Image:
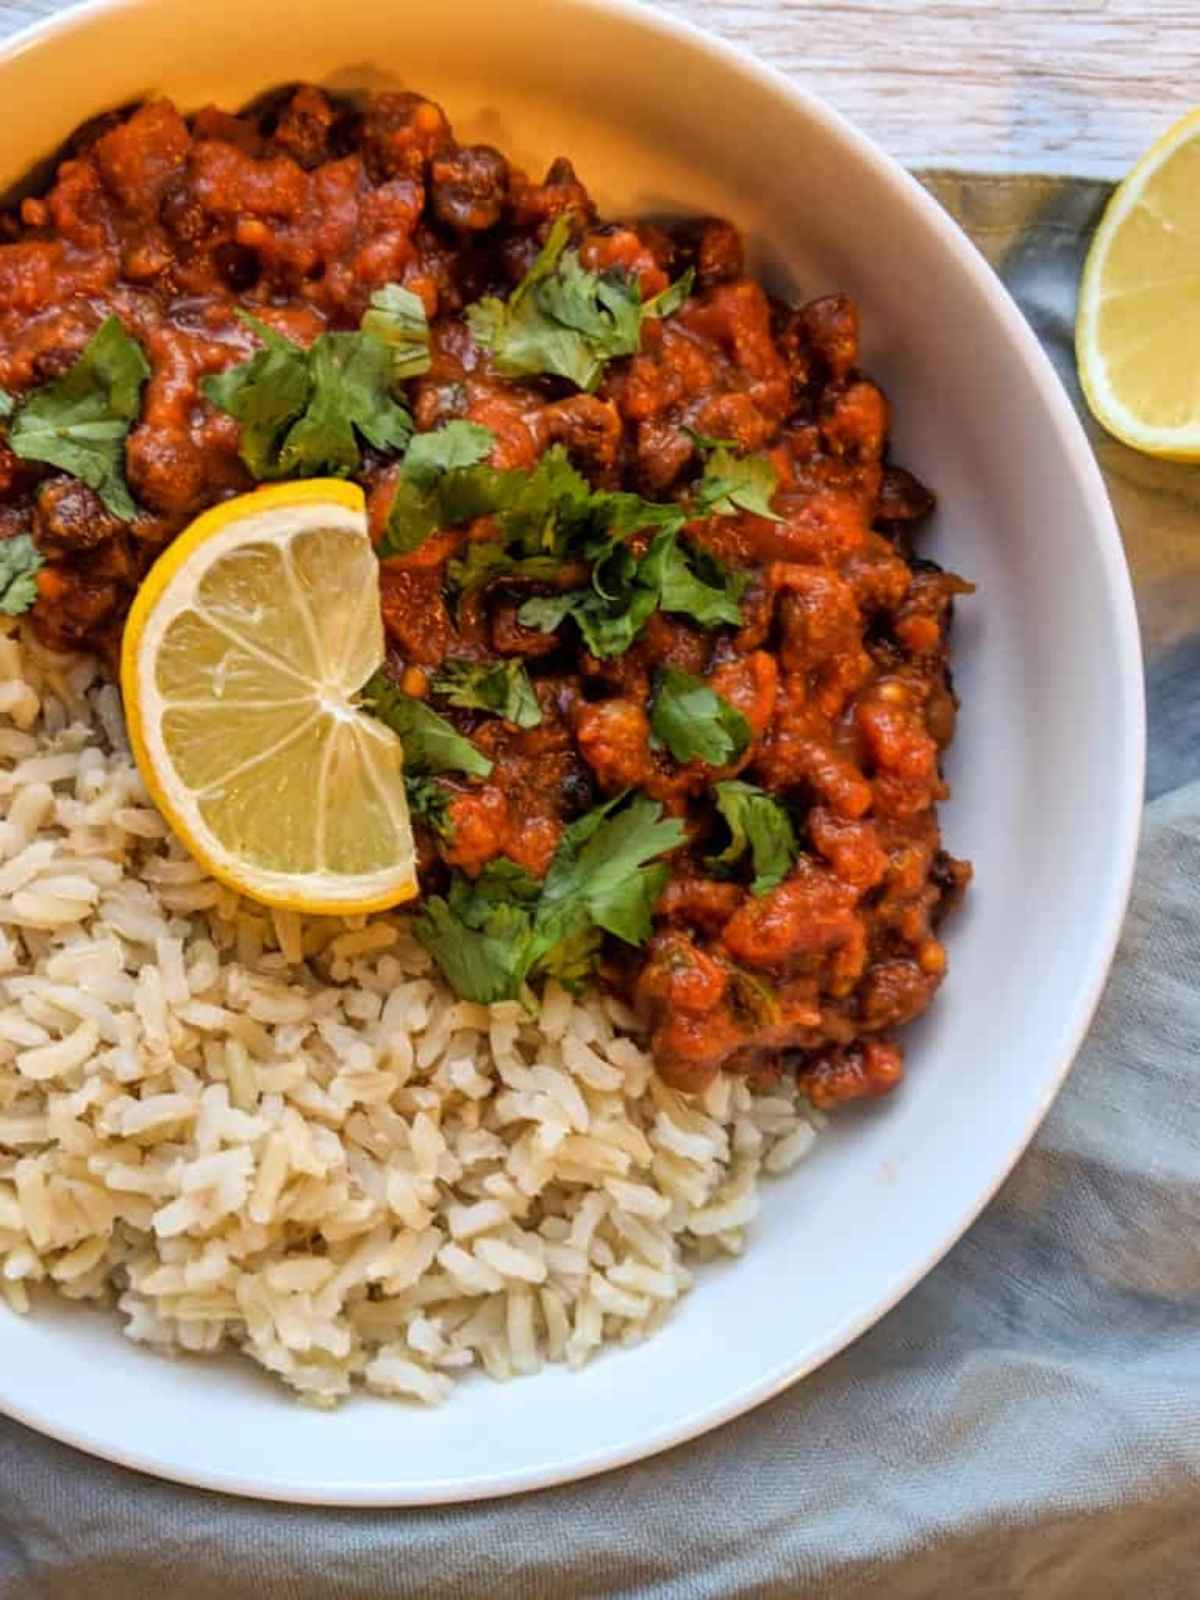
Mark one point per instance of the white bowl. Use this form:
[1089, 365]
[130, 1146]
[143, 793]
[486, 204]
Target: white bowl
[1047, 770]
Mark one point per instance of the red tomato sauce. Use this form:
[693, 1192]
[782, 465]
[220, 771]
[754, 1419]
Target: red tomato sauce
[296, 212]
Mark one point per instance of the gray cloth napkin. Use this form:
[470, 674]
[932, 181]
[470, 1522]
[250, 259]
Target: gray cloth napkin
[1026, 1424]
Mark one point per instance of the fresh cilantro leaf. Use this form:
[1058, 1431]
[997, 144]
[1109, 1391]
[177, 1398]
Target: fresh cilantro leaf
[428, 801]
[670, 299]
[572, 960]
[695, 723]
[588, 319]
[484, 964]
[546, 261]
[716, 574]
[79, 422]
[537, 514]
[758, 823]
[607, 629]
[543, 517]
[511, 329]
[680, 590]
[431, 744]
[619, 514]
[546, 508]
[20, 561]
[609, 615]
[501, 882]
[486, 561]
[266, 394]
[706, 441]
[397, 317]
[625, 906]
[553, 512]
[613, 612]
[492, 936]
[601, 873]
[546, 612]
[446, 449]
[625, 591]
[733, 483]
[442, 482]
[481, 933]
[302, 410]
[567, 321]
[499, 686]
[350, 376]
[7, 405]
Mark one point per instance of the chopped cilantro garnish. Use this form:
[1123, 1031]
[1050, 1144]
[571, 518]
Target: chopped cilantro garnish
[80, 421]
[428, 801]
[502, 687]
[480, 943]
[350, 374]
[431, 744]
[445, 450]
[758, 823]
[492, 937]
[671, 572]
[707, 441]
[619, 514]
[545, 511]
[266, 394]
[625, 591]
[500, 882]
[302, 410]
[671, 299]
[602, 872]
[20, 561]
[442, 482]
[733, 483]
[397, 316]
[567, 321]
[486, 559]
[550, 516]
[609, 615]
[695, 723]
[543, 517]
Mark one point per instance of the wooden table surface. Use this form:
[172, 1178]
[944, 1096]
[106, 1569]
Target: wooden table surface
[1077, 86]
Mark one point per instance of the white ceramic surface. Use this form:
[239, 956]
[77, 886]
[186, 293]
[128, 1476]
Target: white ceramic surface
[1047, 770]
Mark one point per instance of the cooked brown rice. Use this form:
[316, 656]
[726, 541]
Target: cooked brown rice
[243, 1128]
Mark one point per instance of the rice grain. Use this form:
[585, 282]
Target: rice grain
[283, 1135]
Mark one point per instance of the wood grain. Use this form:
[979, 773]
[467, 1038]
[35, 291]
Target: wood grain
[1080, 86]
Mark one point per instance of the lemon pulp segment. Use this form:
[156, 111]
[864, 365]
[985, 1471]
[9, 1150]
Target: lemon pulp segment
[1138, 329]
[241, 665]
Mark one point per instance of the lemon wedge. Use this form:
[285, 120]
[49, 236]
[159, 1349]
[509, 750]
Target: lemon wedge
[1137, 336]
[243, 655]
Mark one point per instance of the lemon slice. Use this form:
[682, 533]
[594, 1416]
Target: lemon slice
[242, 659]
[1137, 337]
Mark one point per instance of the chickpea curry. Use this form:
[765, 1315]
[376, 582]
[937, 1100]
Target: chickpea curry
[671, 682]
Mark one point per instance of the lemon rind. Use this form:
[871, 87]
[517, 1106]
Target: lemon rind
[318, 503]
[1168, 444]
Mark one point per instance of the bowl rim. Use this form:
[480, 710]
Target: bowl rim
[1126, 803]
